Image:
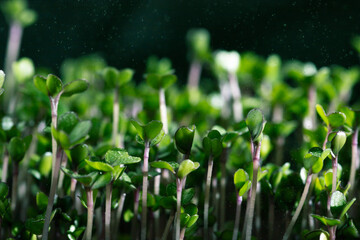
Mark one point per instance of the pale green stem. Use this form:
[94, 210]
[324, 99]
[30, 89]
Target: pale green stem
[354, 159]
[299, 207]
[5, 167]
[119, 212]
[167, 227]
[108, 211]
[90, 213]
[237, 217]
[157, 212]
[116, 112]
[332, 230]
[223, 191]
[134, 224]
[61, 177]
[144, 191]
[236, 94]
[194, 74]
[163, 110]
[249, 215]
[54, 103]
[207, 197]
[12, 53]
[53, 186]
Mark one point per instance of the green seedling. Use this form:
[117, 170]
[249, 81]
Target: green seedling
[53, 87]
[180, 171]
[229, 62]
[184, 138]
[198, 41]
[116, 79]
[114, 163]
[212, 148]
[313, 163]
[242, 185]
[148, 135]
[19, 16]
[159, 76]
[256, 123]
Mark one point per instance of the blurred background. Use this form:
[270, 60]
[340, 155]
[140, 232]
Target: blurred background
[126, 33]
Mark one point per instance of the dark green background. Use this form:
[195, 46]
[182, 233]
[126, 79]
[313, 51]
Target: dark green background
[126, 32]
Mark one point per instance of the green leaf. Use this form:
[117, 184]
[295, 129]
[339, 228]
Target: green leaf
[240, 177]
[120, 156]
[184, 219]
[4, 190]
[110, 74]
[184, 138]
[67, 121]
[326, 221]
[338, 202]
[35, 225]
[187, 195]
[158, 81]
[157, 139]
[314, 159]
[124, 76]
[101, 181]
[53, 85]
[78, 153]
[2, 78]
[256, 123]
[23, 69]
[149, 131]
[346, 208]
[191, 209]
[80, 131]
[186, 167]
[168, 202]
[337, 119]
[192, 220]
[117, 172]
[74, 87]
[338, 142]
[212, 143]
[320, 110]
[40, 84]
[86, 180]
[328, 179]
[171, 166]
[246, 187]
[41, 201]
[317, 234]
[16, 149]
[100, 166]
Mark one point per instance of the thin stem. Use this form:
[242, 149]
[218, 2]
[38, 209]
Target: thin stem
[354, 159]
[326, 138]
[182, 234]
[108, 211]
[134, 232]
[332, 230]
[61, 177]
[53, 186]
[249, 215]
[167, 227]
[14, 186]
[163, 110]
[194, 74]
[207, 197]
[90, 213]
[144, 191]
[178, 206]
[12, 53]
[157, 212]
[119, 212]
[237, 217]
[236, 94]
[5, 166]
[299, 207]
[116, 111]
[223, 187]
[73, 187]
[54, 103]
[271, 217]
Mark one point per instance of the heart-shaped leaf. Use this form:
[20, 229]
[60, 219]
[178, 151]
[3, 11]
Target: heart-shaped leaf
[120, 156]
[184, 138]
[158, 81]
[149, 131]
[53, 85]
[40, 84]
[337, 119]
[256, 123]
[78, 153]
[184, 219]
[171, 166]
[192, 220]
[74, 87]
[186, 167]
[101, 181]
[240, 177]
[124, 76]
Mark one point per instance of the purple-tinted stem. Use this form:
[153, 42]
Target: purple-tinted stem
[5, 166]
[108, 211]
[194, 74]
[237, 217]
[134, 232]
[90, 213]
[179, 187]
[354, 158]
[144, 190]
[207, 197]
